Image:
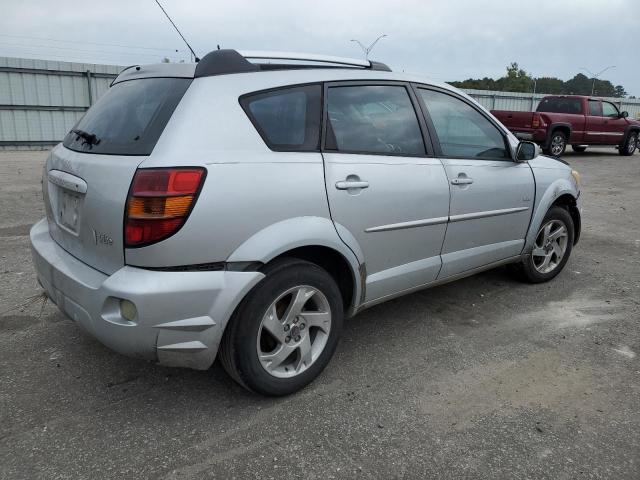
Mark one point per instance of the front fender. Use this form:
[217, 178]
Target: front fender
[552, 192]
[280, 237]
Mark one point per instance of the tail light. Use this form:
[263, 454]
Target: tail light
[535, 123]
[159, 202]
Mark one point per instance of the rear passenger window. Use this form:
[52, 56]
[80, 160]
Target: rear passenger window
[594, 108]
[373, 119]
[561, 105]
[288, 119]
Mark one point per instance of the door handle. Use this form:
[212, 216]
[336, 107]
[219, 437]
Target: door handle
[461, 181]
[349, 184]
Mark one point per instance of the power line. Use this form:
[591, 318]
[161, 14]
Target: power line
[131, 54]
[92, 43]
[82, 57]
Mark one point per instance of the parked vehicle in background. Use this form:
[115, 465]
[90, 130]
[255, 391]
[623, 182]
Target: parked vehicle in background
[573, 120]
[246, 208]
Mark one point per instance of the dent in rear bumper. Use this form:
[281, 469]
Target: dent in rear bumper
[180, 315]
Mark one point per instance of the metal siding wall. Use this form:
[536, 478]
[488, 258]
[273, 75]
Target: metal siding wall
[54, 84]
[65, 85]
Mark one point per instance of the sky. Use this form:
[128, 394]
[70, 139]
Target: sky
[444, 40]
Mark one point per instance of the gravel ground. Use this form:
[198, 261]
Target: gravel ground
[483, 378]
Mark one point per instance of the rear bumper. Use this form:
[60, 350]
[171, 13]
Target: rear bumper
[180, 315]
[537, 135]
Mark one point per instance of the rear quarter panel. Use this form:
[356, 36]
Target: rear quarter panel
[576, 124]
[248, 188]
[514, 120]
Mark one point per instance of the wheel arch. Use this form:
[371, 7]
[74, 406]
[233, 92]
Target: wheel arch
[563, 193]
[333, 262]
[628, 131]
[554, 127]
[313, 239]
[570, 203]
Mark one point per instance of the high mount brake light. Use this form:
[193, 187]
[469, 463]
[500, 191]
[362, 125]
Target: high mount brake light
[159, 202]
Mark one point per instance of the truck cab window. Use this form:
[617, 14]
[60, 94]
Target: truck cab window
[609, 110]
[595, 110]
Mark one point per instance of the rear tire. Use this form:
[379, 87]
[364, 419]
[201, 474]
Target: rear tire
[557, 144]
[286, 329]
[551, 250]
[578, 148]
[629, 146]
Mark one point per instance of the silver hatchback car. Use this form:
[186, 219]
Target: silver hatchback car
[248, 203]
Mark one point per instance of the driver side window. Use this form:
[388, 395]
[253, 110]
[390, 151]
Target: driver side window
[377, 119]
[609, 110]
[463, 131]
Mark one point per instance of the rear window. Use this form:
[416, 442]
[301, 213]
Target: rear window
[561, 105]
[288, 119]
[129, 118]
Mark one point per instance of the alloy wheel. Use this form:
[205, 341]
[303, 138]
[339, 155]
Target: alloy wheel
[294, 331]
[632, 143]
[557, 145]
[550, 246]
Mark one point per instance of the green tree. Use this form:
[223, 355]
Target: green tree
[518, 80]
[550, 85]
[578, 85]
[620, 92]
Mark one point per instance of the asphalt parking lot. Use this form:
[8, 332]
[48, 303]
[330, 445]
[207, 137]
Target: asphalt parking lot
[483, 378]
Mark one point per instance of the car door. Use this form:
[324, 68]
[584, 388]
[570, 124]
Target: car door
[595, 123]
[614, 125]
[491, 195]
[388, 197]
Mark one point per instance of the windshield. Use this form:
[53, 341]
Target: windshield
[129, 118]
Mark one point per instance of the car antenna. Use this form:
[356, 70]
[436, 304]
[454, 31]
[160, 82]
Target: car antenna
[182, 36]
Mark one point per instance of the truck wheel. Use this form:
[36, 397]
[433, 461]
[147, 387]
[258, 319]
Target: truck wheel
[578, 148]
[557, 145]
[630, 145]
[551, 249]
[285, 331]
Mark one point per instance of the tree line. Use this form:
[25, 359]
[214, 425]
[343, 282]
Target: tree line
[518, 80]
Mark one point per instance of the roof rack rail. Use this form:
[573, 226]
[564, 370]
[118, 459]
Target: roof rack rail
[227, 61]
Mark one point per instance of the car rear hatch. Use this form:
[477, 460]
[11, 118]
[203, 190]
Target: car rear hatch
[87, 178]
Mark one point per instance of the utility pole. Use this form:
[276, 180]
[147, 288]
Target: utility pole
[368, 49]
[595, 76]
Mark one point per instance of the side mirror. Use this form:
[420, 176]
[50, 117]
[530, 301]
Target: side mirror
[527, 151]
[624, 114]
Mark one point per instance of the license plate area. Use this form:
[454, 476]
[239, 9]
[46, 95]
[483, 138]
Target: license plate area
[68, 211]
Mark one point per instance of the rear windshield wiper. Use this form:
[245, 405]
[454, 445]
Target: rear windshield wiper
[89, 138]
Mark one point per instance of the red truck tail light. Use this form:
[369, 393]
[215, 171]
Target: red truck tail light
[159, 202]
[535, 123]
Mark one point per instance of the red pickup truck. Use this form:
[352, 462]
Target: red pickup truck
[573, 120]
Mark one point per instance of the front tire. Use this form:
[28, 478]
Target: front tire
[285, 331]
[557, 144]
[629, 146]
[552, 248]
